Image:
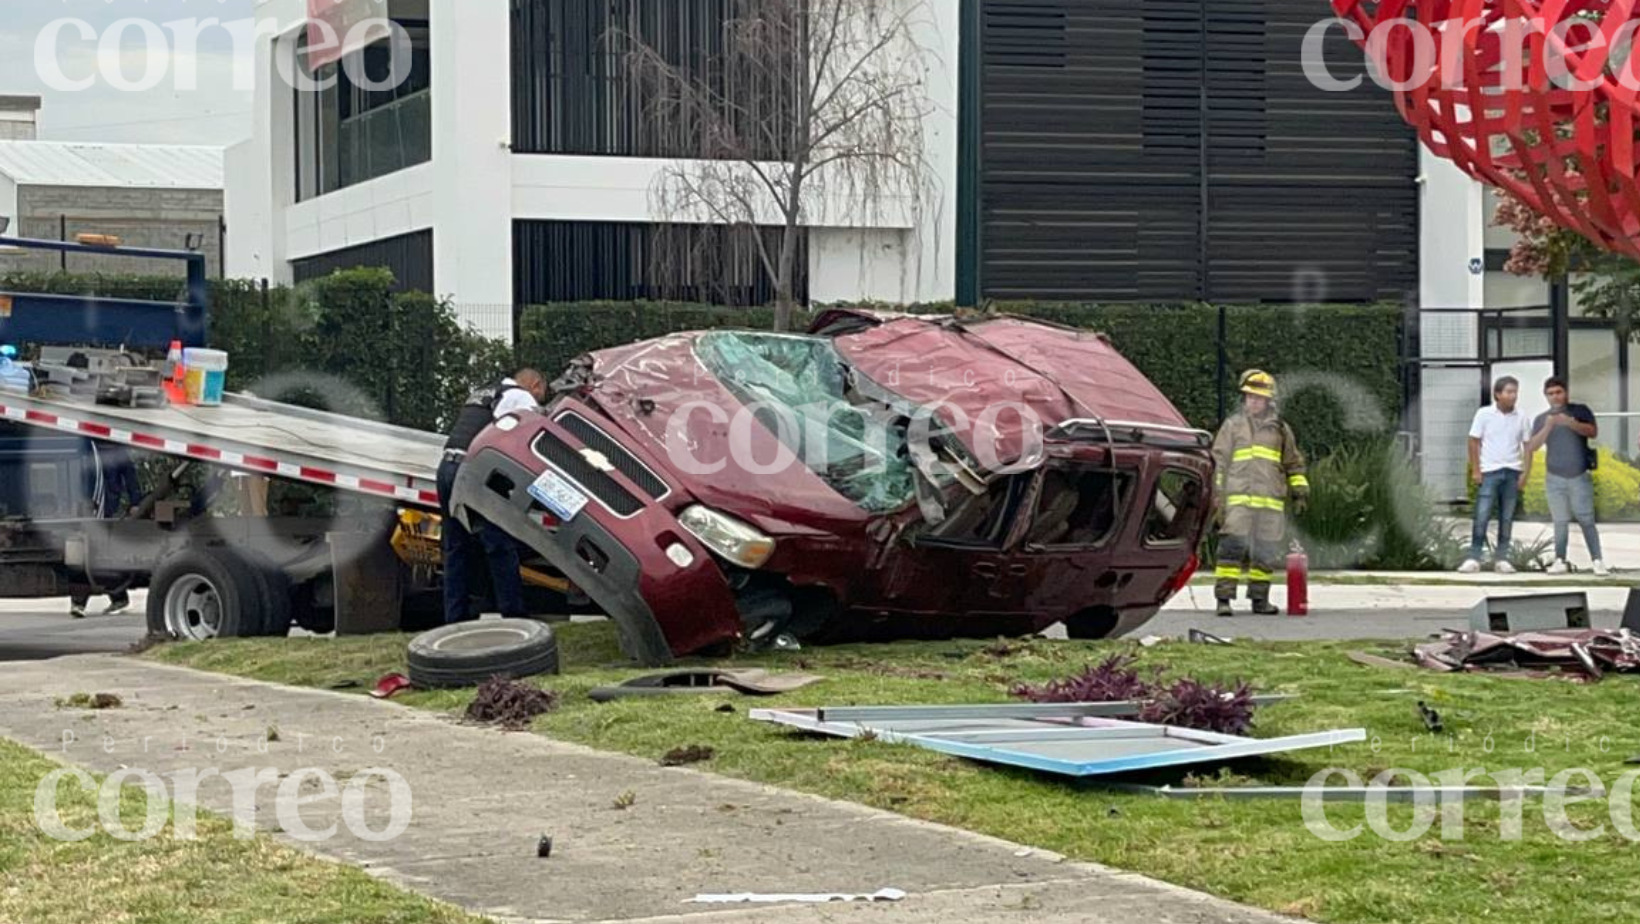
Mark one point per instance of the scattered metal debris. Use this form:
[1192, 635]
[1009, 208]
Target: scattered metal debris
[1429, 794]
[1072, 741]
[1198, 637]
[742, 898]
[543, 847]
[1587, 653]
[1372, 660]
[693, 754]
[751, 682]
[390, 686]
[1027, 711]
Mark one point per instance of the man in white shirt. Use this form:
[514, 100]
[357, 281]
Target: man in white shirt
[1499, 465]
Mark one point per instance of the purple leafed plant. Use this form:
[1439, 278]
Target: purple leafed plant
[1112, 680]
[1203, 706]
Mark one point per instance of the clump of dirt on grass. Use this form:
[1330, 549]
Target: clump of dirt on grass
[512, 705]
[693, 754]
[91, 701]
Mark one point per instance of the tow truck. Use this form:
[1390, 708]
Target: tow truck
[370, 565]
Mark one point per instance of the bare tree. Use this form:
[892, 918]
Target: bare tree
[805, 112]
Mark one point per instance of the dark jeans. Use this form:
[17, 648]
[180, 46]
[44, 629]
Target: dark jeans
[120, 598]
[1500, 492]
[462, 552]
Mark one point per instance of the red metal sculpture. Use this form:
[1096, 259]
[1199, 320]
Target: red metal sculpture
[1535, 96]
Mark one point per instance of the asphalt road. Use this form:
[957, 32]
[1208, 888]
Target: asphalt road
[33, 630]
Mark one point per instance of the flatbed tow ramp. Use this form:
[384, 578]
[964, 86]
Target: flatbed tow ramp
[259, 437]
[244, 575]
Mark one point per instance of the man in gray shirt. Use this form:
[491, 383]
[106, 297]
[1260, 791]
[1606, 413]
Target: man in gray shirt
[1566, 429]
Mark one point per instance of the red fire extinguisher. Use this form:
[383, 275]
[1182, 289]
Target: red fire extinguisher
[1298, 582]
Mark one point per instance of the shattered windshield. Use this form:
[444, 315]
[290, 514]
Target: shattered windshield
[799, 389]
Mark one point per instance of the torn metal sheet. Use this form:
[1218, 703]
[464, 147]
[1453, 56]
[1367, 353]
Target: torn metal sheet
[1070, 745]
[751, 682]
[1586, 652]
[878, 714]
[1425, 794]
[818, 898]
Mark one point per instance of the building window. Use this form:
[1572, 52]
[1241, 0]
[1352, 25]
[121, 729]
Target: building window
[574, 92]
[349, 131]
[408, 256]
[577, 261]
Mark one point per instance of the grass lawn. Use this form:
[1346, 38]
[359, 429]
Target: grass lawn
[1257, 852]
[213, 878]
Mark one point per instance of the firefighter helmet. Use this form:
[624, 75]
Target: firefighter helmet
[1258, 382]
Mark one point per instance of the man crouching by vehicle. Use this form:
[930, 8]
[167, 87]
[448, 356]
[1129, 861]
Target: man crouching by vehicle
[462, 549]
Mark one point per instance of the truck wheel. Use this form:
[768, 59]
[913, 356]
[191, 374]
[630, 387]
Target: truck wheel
[468, 653]
[272, 590]
[201, 594]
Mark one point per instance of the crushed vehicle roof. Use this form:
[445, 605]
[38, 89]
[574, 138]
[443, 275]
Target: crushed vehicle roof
[975, 375]
[1060, 373]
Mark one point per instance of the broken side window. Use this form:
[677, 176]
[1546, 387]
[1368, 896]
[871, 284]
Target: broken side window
[797, 387]
[1175, 509]
[1077, 507]
[984, 520]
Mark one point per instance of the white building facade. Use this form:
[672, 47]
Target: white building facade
[460, 204]
[1080, 150]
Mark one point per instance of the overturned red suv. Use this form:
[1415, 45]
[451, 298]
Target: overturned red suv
[882, 477]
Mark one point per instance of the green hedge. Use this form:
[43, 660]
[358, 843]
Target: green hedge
[1341, 364]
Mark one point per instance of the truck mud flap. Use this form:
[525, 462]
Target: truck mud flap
[693, 605]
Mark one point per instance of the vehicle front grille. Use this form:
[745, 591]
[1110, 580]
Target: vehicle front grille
[568, 460]
[619, 456]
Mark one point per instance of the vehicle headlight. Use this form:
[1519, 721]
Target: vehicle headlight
[727, 536]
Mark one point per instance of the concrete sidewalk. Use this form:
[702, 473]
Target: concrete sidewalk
[482, 798]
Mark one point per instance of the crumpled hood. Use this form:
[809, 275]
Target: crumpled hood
[659, 393]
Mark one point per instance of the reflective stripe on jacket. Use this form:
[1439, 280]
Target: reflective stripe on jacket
[1259, 463]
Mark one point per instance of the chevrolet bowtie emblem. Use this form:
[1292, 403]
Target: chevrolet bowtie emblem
[597, 460]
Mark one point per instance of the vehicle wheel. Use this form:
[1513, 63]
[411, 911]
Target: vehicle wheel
[272, 589]
[1093, 623]
[467, 654]
[201, 594]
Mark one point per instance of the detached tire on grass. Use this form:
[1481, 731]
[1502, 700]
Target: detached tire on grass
[469, 653]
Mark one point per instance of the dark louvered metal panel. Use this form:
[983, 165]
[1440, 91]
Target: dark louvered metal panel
[409, 256]
[1174, 149]
[574, 91]
[574, 261]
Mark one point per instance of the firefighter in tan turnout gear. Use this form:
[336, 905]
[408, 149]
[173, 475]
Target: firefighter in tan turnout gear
[1260, 477]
